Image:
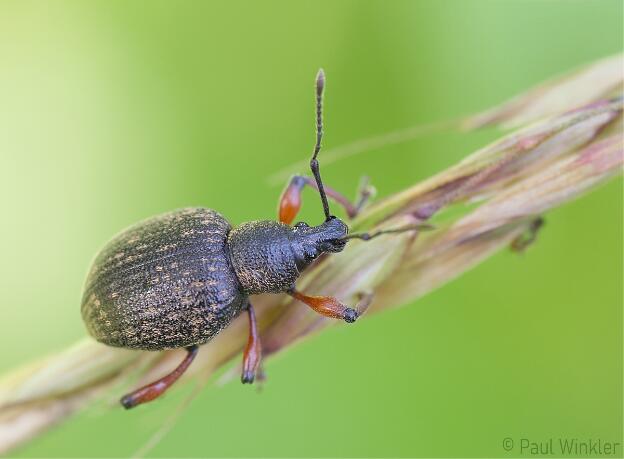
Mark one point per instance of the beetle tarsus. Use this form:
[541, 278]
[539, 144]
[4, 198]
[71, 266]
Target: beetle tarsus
[247, 378]
[127, 401]
[350, 315]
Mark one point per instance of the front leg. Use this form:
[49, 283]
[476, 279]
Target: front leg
[329, 306]
[290, 201]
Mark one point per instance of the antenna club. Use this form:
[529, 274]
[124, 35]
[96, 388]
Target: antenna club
[320, 82]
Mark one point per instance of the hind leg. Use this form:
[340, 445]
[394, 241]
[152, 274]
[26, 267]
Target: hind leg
[157, 388]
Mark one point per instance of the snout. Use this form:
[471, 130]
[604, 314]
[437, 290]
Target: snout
[335, 228]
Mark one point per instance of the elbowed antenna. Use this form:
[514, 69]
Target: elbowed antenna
[314, 164]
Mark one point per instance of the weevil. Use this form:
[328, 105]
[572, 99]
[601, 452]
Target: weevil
[177, 279]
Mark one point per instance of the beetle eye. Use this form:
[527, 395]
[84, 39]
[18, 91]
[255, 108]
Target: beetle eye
[301, 225]
[310, 256]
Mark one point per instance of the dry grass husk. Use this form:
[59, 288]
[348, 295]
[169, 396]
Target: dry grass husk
[574, 144]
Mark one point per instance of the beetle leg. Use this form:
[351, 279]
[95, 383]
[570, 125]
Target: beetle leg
[290, 201]
[329, 306]
[157, 388]
[524, 240]
[253, 350]
[364, 193]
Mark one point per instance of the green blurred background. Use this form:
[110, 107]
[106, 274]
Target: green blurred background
[113, 111]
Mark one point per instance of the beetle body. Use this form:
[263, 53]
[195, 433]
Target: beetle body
[177, 279]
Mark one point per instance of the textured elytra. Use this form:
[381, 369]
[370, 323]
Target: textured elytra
[164, 283]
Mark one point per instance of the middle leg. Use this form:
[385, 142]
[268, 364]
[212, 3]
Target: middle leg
[253, 349]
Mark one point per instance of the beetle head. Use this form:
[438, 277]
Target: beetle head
[268, 256]
[308, 242]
